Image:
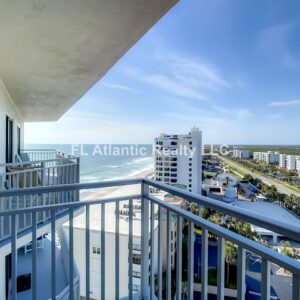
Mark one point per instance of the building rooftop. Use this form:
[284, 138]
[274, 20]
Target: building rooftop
[95, 214]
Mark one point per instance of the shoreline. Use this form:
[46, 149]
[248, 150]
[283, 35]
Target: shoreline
[118, 190]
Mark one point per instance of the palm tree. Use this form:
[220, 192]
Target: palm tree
[230, 257]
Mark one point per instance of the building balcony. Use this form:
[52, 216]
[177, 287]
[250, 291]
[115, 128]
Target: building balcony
[160, 278]
[36, 168]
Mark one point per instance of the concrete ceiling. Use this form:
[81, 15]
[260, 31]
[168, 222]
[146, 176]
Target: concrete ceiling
[53, 51]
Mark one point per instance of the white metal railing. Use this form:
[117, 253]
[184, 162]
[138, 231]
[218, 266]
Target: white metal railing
[55, 169]
[152, 211]
[39, 168]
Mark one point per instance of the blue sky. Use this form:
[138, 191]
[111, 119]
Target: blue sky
[231, 68]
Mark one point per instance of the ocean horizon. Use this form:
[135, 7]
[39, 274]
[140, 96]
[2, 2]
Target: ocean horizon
[95, 166]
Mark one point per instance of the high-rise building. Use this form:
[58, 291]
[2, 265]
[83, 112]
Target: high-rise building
[178, 159]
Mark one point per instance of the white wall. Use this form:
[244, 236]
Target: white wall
[7, 107]
[95, 262]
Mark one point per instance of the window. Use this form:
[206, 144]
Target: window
[136, 247]
[136, 287]
[136, 259]
[190, 169]
[9, 140]
[19, 139]
[190, 185]
[96, 250]
[190, 180]
[136, 274]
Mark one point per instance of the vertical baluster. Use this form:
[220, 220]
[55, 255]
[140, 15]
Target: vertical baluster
[71, 254]
[13, 258]
[102, 251]
[18, 201]
[145, 241]
[296, 287]
[204, 264]
[53, 256]
[34, 256]
[152, 264]
[179, 259]
[48, 176]
[24, 197]
[160, 253]
[117, 252]
[87, 252]
[265, 279]
[168, 273]
[241, 273]
[130, 256]
[191, 261]
[221, 269]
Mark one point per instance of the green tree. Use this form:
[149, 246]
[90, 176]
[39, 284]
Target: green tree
[230, 257]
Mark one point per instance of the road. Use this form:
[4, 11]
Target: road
[280, 187]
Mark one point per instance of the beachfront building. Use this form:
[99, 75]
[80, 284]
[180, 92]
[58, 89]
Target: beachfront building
[178, 159]
[269, 157]
[241, 154]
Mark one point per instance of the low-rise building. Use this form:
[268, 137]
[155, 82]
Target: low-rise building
[269, 157]
[289, 162]
[242, 154]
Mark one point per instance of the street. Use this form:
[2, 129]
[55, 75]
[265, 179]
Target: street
[280, 187]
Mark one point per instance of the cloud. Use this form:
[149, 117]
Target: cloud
[285, 103]
[181, 75]
[276, 42]
[121, 87]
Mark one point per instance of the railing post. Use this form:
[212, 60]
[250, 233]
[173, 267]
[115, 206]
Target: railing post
[145, 242]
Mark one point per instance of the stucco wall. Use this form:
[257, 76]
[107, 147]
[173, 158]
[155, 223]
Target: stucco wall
[7, 108]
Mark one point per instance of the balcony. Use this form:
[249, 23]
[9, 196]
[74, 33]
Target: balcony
[36, 168]
[160, 277]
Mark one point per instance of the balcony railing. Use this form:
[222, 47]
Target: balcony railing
[155, 211]
[44, 168]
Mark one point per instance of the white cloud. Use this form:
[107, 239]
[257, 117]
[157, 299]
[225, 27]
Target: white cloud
[285, 103]
[181, 75]
[121, 87]
[273, 41]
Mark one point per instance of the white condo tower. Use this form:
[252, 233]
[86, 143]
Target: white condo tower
[174, 165]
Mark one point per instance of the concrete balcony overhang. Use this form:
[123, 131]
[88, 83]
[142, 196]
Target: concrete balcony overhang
[53, 52]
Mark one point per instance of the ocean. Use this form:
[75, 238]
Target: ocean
[106, 162]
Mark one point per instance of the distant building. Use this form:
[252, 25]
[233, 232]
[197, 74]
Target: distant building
[289, 162]
[175, 163]
[242, 154]
[298, 164]
[283, 161]
[269, 157]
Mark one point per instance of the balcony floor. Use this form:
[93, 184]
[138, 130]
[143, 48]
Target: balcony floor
[43, 272]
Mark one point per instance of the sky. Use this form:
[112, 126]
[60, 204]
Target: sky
[231, 68]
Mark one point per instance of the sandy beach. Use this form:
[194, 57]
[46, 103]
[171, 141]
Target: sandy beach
[116, 191]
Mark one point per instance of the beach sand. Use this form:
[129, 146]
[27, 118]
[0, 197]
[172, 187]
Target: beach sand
[117, 191]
